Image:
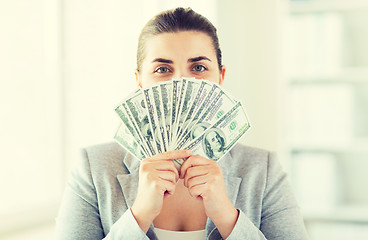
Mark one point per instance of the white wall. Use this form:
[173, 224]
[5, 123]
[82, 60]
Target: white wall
[250, 34]
[31, 151]
[99, 53]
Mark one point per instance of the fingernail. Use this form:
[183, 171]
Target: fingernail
[189, 151]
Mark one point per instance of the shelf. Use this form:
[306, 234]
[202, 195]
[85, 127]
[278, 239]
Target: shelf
[326, 96]
[321, 6]
[351, 214]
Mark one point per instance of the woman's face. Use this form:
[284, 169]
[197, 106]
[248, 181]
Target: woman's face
[181, 54]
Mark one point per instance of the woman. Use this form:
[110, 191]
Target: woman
[244, 196]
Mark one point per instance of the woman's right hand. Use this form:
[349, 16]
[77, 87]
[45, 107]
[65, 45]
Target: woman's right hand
[157, 180]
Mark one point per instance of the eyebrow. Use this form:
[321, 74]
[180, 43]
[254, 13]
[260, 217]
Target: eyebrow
[195, 59]
[162, 60]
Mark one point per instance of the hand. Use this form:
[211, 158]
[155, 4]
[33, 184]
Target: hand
[157, 180]
[204, 179]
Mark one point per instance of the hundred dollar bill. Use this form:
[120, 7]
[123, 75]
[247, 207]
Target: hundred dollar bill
[152, 119]
[176, 91]
[124, 137]
[215, 111]
[121, 110]
[179, 105]
[191, 92]
[217, 140]
[203, 108]
[160, 116]
[166, 98]
[203, 91]
[156, 117]
[137, 108]
[215, 90]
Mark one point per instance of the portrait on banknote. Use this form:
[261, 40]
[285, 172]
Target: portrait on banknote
[214, 143]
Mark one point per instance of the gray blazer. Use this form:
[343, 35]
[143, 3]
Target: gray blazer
[103, 185]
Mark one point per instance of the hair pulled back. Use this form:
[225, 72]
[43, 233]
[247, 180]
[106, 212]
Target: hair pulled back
[177, 20]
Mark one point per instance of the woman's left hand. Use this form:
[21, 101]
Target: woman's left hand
[204, 179]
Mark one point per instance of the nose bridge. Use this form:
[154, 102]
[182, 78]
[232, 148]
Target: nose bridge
[178, 74]
[181, 70]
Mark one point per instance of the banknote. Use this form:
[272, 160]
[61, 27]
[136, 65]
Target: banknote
[190, 95]
[201, 101]
[127, 120]
[137, 107]
[185, 113]
[165, 98]
[160, 116]
[219, 105]
[219, 138]
[124, 137]
[176, 91]
[180, 102]
[153, 119]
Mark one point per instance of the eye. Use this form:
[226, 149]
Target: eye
[199, 68]
[162, 70]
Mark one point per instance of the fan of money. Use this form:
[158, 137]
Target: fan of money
[184, 113]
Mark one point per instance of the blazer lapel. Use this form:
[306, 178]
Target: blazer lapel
[232, 183]
[232, 187]
[129, 181]
[129, 186]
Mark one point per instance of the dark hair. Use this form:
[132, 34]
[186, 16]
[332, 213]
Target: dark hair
[177, 20]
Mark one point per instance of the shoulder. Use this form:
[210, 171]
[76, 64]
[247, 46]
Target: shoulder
[108, 158]
[245, 159]
[106, 151]
[247, 152]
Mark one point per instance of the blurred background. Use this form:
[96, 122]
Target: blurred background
[299, 67]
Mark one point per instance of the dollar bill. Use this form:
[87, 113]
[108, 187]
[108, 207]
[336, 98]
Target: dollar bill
[129, 124]
[153, 102]
[137, 108]
[190, 95]
[179, 105]
[176, 91]
[218, 107]
[153, 120]
[184, 113]
[166, 98]
[203, 107]
[218, 139]
[160, 117]
[202, 94]
[124, 137]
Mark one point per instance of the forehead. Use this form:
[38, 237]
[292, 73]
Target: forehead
[184, 44]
